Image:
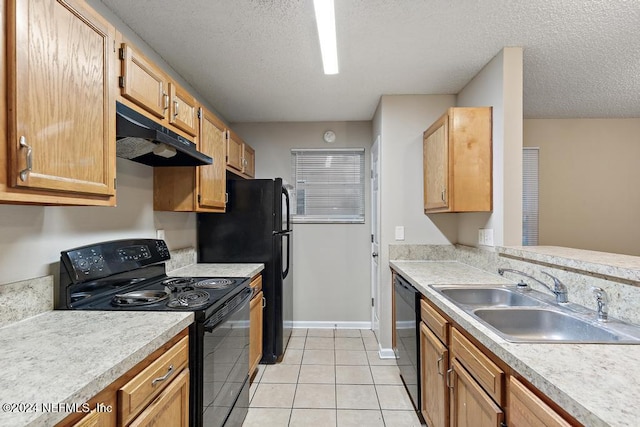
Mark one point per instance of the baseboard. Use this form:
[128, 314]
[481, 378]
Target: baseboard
[331, 325]
[386, 353]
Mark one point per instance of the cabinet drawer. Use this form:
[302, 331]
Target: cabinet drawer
[135, 395]
[433, 319]
[527, 409]
[488, 375]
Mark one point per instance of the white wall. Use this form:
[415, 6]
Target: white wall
[499, 85]
[589, 175]
[31, 237]
[400, 121]
[331, 261]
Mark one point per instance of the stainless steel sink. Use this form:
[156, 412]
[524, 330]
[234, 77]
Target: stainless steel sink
[539, 325]
[488, 297]
[534, 317]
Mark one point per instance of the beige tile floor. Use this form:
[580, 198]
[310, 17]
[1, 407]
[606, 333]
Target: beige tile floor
[330, 378]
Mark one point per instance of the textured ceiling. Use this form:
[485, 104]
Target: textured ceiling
[259, 60]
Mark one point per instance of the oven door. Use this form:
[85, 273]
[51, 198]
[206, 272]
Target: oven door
[226, 364]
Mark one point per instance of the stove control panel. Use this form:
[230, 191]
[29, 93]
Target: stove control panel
[104, 259]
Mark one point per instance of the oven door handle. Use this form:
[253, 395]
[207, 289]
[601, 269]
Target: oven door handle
[228, 309]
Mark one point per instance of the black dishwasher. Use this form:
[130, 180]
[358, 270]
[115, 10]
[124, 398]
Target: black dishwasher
[407, 303]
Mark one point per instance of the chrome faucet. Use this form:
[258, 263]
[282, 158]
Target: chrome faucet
[559, 289]
[603, 304]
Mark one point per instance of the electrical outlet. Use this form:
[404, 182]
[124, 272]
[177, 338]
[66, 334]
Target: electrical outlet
[399, 232]
[160, 234]
[488, 236]
[481, 236]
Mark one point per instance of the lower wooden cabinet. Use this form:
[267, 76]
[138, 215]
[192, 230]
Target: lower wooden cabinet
[153, 393]
[525, 409]
[170, 408]
[255, 324]
[434, 364]
[470, 405]
[144, 390]
[464, 384]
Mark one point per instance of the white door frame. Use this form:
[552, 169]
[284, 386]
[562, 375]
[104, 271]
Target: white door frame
[375, 236]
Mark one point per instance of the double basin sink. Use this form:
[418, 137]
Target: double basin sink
[533, 317]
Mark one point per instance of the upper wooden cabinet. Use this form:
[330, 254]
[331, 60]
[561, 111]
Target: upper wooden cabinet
[148, 87]
[196, 189]
[241, 157]
[60, 141]
[457, 161]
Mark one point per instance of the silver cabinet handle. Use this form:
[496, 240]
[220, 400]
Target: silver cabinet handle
[164, 377]
[25, 172]
[438, 364]
[443, 194]
[449, 378]
[165, 101]
[175, 108]
[264, 302]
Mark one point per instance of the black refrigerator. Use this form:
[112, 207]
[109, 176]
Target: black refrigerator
[256, 228]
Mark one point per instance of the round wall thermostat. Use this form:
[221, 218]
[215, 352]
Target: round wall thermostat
[329, 136]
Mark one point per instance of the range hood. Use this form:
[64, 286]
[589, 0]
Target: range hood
[143, 140]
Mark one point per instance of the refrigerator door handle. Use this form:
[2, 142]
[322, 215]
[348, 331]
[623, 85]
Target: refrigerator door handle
[285, 273]
[288, 203]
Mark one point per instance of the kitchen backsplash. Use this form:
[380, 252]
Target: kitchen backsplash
[622, 290]
[26, 298]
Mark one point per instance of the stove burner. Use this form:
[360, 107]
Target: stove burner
[189, 299]
[137, 298]
[79, 296]
[214, 283]
[178, 282]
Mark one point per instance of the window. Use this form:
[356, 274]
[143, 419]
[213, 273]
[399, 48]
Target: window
[530, 196]
[329, 185]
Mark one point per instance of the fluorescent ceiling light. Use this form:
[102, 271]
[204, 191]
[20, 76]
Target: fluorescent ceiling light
[326, 20]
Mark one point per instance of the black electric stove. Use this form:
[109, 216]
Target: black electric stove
[130, 275]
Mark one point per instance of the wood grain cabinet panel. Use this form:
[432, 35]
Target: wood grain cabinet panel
[434, 363]
[256, 324]
[241, 157]
[470, 405]
[525, 409]
[183, 109]
[142, 82]
[457, 162]
[170, 408]
[60, 100]
[234, 152]
[196, 189]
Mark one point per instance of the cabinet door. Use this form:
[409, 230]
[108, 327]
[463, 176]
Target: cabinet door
[470, 405]
[234, 152]
[249, 161]
[525, 409]
[60, 97]
[170, 408]
[183, 109]
[434, 364]
[255, 331]
[213, 182]
[95, 419]
[436, 166]
[142, 82]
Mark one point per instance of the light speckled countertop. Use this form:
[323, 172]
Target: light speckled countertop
[70, 356]
[218, 270]
[598, 384]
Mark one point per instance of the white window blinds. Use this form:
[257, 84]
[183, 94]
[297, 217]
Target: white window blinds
[530, 196]
[329, 185]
